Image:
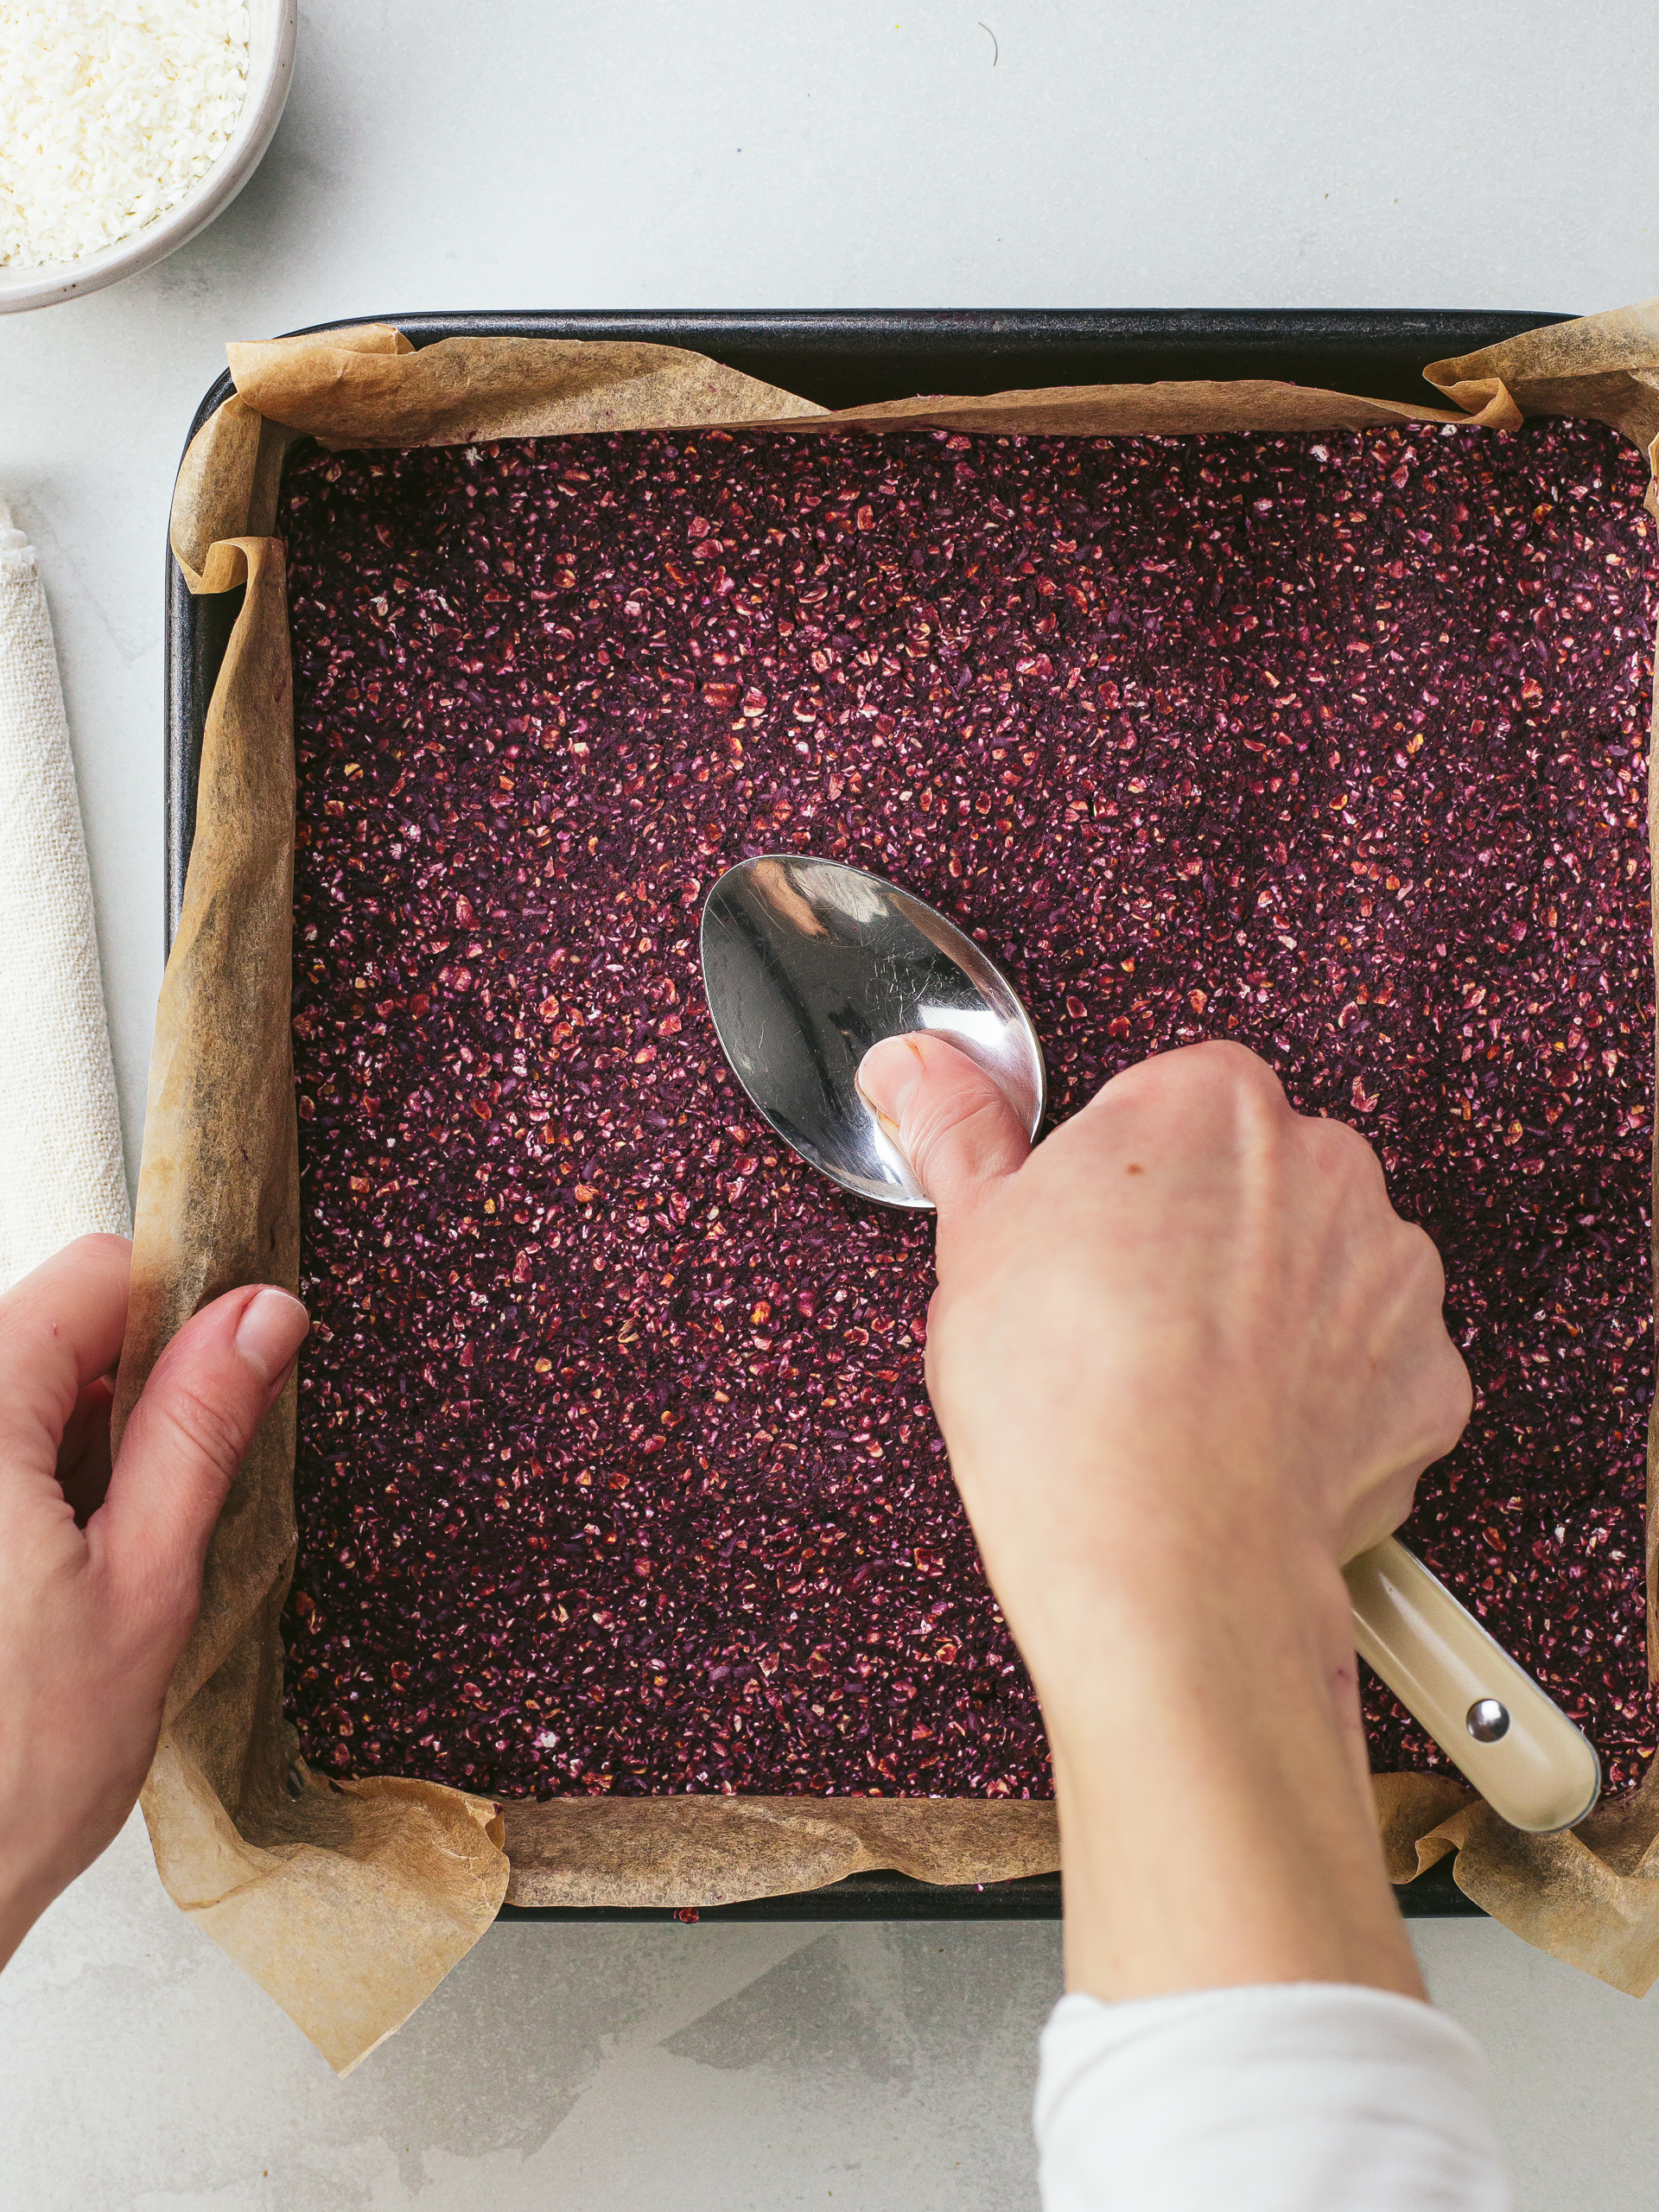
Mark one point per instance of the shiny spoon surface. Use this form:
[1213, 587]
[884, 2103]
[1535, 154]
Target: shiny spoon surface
[807, 963]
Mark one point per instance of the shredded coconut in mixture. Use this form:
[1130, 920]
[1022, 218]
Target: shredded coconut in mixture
[109, 114]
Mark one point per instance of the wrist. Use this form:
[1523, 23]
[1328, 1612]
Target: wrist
[1215, 1814]
[1160, 1596]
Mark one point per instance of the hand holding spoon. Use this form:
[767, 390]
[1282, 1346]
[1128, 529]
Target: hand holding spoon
[807, 964]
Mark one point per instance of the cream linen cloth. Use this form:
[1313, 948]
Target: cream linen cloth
[61, 1165]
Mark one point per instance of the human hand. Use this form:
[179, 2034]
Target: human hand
[1186, 1359]
[100, 1569]
[1192, 1314]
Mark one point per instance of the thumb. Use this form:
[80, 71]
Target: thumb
[186, 1436]
[951, 1119]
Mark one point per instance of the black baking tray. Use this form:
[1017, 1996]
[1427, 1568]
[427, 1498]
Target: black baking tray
[847, 358]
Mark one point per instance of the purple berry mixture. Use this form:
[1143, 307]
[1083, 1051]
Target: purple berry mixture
[616, 1469]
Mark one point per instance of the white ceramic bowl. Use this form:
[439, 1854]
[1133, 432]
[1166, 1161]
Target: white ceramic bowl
[270, 65]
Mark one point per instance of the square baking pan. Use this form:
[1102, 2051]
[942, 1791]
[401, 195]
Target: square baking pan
[845, 359]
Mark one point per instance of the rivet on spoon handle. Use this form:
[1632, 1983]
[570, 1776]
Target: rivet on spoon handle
[1506, 1734]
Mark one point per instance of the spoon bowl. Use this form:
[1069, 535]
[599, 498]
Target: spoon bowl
[807, 964]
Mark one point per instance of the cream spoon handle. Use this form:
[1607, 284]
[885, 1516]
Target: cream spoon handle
[1533, 1767]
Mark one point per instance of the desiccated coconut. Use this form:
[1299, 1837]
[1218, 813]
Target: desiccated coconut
[109, 115]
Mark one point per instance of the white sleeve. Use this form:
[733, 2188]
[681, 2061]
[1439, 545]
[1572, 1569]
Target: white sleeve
[1301, 2097]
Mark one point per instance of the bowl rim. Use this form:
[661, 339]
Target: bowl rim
[262, 110]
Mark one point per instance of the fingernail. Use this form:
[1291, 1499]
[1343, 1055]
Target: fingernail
[886, 1075]
[272, 1328]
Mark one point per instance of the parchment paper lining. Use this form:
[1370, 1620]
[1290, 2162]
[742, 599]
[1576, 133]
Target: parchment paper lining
[349, 1902]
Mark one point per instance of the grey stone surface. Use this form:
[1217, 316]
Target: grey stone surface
[714, 2069]
[1038, 152]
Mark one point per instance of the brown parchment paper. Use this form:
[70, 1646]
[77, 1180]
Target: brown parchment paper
[350, 1902]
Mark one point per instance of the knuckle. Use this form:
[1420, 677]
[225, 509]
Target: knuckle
[101, 1244]
[965, 1117]
[56, 1279]
[1346, 1161]
[1226, 1056]
[1420, 1264]
[1217, 1077]
[1218, 1063]
[1239, 1073]
[1441, 1399]
[1346, 1150]
[1456, 1395]
[199, 1422]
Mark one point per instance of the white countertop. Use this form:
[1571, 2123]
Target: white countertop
[734, 154]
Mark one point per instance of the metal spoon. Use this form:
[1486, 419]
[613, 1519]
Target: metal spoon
[807, 963]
